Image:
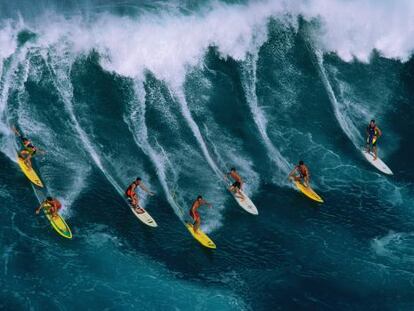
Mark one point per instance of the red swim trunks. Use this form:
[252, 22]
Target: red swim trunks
[195, 215]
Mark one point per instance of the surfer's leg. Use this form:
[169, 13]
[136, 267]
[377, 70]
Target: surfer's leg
[241, 196]
[374, 148]
[369, 141]
[196, 223]
[138, 208]
[28, 161]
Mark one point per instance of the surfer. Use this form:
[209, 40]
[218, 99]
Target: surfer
[238, 182]
[54, 204]
[194, 213]
[373, 133]
[303, 172]
[28, 151]
[132, 195]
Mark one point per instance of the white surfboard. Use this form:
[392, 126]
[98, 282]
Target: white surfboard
[144, 216]
[245, 203]
[378, 163]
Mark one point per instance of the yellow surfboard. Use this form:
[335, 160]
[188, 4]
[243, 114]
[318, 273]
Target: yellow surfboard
[57, 222]
[308, 191]
[29, 172]
[201, 237]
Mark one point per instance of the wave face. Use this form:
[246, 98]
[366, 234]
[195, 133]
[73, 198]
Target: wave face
[177, 93]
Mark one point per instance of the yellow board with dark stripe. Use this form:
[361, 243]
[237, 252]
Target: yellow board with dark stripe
[308, 191]
[29, 172]
[58, 223]
[201, 237]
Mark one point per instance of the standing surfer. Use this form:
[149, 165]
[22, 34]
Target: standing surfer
[28, 151]
[54, 206]
[132, 195]
[194, 213]
[373, 133]
[303, 173]
[236, 187]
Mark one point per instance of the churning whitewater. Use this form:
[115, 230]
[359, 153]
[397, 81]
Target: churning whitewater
[178, 93]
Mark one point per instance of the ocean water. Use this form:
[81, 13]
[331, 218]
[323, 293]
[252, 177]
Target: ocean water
[177, 92]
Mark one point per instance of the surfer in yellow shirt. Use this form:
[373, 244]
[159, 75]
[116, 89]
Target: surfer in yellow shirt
[28, 151]
[300, 173]
[194, 213]
[373, 133]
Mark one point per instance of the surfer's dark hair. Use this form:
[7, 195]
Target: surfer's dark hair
[373, 121]
[232, 169]
[49, 199]
[199, 197]
[300, 162]
[138, 179]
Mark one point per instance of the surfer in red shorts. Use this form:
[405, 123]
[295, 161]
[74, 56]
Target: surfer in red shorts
[302, 174]
[194, 213]
[132, 195]
[54, 206]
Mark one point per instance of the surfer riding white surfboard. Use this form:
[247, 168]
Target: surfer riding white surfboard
[373, 133]
[236, 190]
[133, 200]
[371, 150]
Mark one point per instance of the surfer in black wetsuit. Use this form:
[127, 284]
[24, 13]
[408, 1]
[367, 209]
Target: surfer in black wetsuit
[303, 173]
[132, 195]
[373, 133]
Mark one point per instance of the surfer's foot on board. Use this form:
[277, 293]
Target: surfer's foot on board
[240, 196]
[139, 210]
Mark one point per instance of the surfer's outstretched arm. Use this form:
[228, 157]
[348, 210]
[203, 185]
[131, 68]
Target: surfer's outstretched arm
[204, 202]
[292, 173]
[14, 129]
[146, 189]
[39, 208]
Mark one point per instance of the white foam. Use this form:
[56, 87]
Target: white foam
[64, 87]
[169, 43]
[8, 42]
[135, 119]
[397, 246]
[353, 28]
[249, 86]
[341, 110]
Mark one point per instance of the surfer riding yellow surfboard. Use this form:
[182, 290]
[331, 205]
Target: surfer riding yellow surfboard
[54, 204]
[300, 176]
[194, 213]
[373, 133]
[28, 151]
[132, 195]
[51, 207]
[194, 229]
[302, 173]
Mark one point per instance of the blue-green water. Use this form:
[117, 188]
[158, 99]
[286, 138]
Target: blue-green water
[177, 93]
